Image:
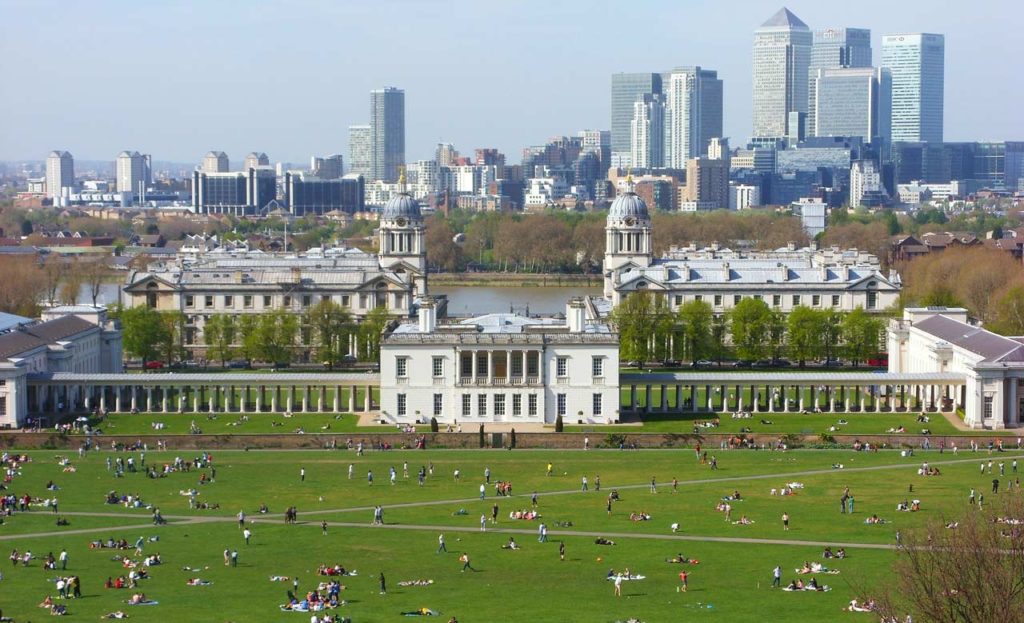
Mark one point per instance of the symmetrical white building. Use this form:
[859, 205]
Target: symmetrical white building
[939, 339]
[501, 368]
[784, 279]
[76, 339]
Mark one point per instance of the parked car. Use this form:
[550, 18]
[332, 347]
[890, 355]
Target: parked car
[154, 365]
[781, 363]
[742, 363]
[238, 364]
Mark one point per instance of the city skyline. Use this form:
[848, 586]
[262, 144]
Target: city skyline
[185, 113]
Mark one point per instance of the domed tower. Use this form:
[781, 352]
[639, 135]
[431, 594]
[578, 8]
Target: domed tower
[402, 236]
[627, 234]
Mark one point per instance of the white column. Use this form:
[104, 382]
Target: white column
[305, 399]
[103, 398]
[163, 398]
[274, 393]
[352, 399]
[212, 398]
[490, 367]
[195, 398]
[801, 391]
[337, 399]
[368, 399]
[474, 367]
[135, 398]
[290, 399]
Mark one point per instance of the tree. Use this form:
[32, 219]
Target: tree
[806, 328]
[94, 272]
[1009, 311]
[172, 335]
[219, 335]
[276, 335]
[750, 326]
[141, 332]
[71, 284]
[444, 253]
[863, 335]
[370, 331]
[695, 319]
[777, 333]
[641, 321]
[52, 274]
[719, 330]
[247, 328]
[831, 332]
[331, 325]
[965, 574]
[21, 287]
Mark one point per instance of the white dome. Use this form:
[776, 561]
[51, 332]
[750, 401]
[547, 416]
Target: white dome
[628, 205]
[401, 205]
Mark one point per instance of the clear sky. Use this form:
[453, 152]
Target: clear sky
[178, 78]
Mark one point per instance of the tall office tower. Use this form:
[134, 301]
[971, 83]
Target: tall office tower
[917, 63]
[854, 102]
[626, 88]
[865, 183]
[782, 58]
[60, 173]
[647, 133]
[216, 162]
[131, 172]
[445, 154]
[707, 183]
[693, 113]
[835, 47]
[254, 160]
[327, 167]
[387, 133]
[360, 151]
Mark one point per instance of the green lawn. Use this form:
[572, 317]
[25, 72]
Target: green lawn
[234, 423]
[731, 583]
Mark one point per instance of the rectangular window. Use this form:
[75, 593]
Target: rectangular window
[481, 404]
[758, 297]
[532, 363]
[267, 301]
[229, 302]
[872, 299]
[306, 300]
[560, 402]
[987, 410]
[531, 404]
[597, 366]
[718, 300]
[736, 299]
[776, 300]
[208, 301]
[517, 364]
[796, 300]
[699, 297]
[562, 367]
[438, 403]
[438, 366]
[835, 300]
[481, 364]
[467, 405]
[401, 367]
[344, 300]
[362, 301]
[815, 300]
[598, 401]
[247, 301]
[499, 404]
[517, 404]
[190, 301]
[287, 302]
[679, 300]
[401, 404]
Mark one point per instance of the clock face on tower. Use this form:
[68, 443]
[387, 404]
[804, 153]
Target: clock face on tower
[400, 222]
[630, 221]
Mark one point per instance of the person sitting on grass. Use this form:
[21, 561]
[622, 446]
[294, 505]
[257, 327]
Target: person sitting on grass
[511, 544]
[744, 521]
[641, 516]
[841, 552]
[603, 541]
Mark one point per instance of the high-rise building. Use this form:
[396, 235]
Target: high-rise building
[917, 63]
[359, 150]
[1014, 165]
[254, 160]
[707, 183]
[306, 194]
[446, 155]
[782, 57]
[647, 133]
[327, 167]
[626, 88]
[835, 47]
[387, 133]
[216, 162]
[131, 172]
[240, 193]
[693, 113]
[60, 173]
[853, 102]
[865, 183]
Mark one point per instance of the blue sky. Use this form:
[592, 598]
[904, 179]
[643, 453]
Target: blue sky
[176, 79]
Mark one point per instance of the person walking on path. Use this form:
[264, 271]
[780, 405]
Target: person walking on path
[483, 523]
[383, 584]
[785, 521]
[561, 550]
[675, 485]
[241, 519]
[618, 586]
[542, 532]
[494, 513]
[302, 474]
[533, 499]
[597, 482]
[441, 547]
[323, 527]
[464, 559]
[487, 475]
[369, 477]
[246, 534]
[584, 483]
[234, 558]
[776, 576]
[654, 486]
[483, 490]
[63, 559]
[682, 578]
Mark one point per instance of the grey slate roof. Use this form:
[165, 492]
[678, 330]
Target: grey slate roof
[993, 347]
[17, 342]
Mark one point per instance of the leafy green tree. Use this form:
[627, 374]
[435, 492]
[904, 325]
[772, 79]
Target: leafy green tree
[831, 332]
[142, 332]
[1009, 312]
[777, 333]
[695, 333]
[806, 329]
[370, 331]
[331, 325]
[276, 334]
[219, 336]
[750, 324]
[643, 320]
[248, 330]
[719, 331]
[172, 335]
[863, 334]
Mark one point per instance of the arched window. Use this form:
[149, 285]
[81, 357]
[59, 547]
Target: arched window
[151, 295]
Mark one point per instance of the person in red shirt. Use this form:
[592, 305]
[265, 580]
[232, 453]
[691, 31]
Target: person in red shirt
[682, 578]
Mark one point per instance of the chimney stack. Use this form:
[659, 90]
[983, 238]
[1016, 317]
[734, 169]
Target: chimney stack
[575, 315]
[427, 315]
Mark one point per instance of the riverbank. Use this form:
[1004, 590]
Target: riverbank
[525, 280]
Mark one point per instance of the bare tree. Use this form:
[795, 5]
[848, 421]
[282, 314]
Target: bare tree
[965, 570]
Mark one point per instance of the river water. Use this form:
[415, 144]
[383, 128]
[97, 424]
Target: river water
[462, 300]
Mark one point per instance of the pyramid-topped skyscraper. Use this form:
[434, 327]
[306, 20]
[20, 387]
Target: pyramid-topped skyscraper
[782, 56]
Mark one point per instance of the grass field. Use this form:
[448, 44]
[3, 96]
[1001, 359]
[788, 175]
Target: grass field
[731, 582]
[234, 423]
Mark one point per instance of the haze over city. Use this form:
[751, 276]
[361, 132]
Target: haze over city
[178, 79]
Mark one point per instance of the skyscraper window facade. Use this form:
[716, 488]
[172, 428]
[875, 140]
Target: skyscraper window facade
[360, 151]
[917, 63]
[853, 102]
[626, 88]
[387, 133]
[693, 113]
[835, 47]
[782, 56]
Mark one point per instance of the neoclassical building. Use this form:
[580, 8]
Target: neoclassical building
[501, 368]
[784, 278]
[256, 282]
[939, 339]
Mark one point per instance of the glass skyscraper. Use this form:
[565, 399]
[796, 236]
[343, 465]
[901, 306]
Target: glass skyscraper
[835, 47]
[360, 150]
[782, 56]
[917, 63]
[853, 101]
[693, 113]
[387, 133]
[626, 88]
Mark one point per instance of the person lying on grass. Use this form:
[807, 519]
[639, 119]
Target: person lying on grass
[680, 559]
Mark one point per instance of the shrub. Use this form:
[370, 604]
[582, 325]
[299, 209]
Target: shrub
[433, 424]
[482, 444]
[512, 439]
[559, 426]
